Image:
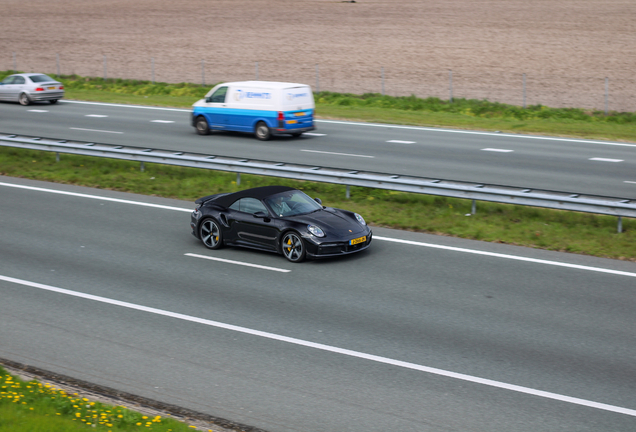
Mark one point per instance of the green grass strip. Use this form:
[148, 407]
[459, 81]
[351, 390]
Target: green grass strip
[30, 406]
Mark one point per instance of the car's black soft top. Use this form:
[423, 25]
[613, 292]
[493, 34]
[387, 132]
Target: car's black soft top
[258, 193]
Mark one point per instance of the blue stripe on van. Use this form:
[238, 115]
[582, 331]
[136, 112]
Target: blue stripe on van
[244, 120]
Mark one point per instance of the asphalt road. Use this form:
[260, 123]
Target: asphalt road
[419, 333]
[578, 166]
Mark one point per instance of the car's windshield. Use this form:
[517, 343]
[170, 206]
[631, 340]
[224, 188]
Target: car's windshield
[41, 78]
[291, 203]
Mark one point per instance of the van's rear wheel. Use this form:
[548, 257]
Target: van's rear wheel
[262, 131]
[201, 125]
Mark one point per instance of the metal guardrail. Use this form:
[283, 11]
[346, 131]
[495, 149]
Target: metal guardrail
[432, 186]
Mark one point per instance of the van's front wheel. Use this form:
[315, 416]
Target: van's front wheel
[201, 125]
[262, 131]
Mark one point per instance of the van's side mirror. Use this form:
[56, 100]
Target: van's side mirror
[208, 99]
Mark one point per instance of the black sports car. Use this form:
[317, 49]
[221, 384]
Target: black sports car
[278, 219]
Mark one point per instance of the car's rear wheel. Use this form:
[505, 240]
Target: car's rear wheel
[210, 234]
[24, 99]
[262, 131]
[202, 126]
[293, 247]
[53, 101]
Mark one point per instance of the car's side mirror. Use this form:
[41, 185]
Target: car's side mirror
[318, 200]
[262, 215]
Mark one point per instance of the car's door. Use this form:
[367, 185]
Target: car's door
[18, 86]
[216, 108]
[249, 230]
[6, 88]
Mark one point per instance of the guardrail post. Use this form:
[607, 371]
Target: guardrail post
[57, 156]
[142, 167]
[620, 224]
[238, 179]
[473, 208]
[348, 194]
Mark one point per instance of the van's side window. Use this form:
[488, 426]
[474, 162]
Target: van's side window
[218, 95]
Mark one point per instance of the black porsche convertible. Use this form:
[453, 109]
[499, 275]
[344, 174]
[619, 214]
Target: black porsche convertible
[278, 219]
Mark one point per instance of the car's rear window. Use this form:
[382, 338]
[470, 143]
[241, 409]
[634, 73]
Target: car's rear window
[41, 78]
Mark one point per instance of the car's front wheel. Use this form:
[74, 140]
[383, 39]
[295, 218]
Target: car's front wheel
[293, 247]
[262, 131]
[210, 234]
[202, 126]
[24, 99]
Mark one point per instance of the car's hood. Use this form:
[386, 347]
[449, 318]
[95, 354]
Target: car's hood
[332, 221]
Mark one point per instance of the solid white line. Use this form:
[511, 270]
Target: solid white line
[421, 128]
[497, 150]
[338, 154]
[606, 160]
[125, 106]
[513, 257]
[96, 130]
[238, 263]
[329, 348]
[95, 197]
[414, 243]
[401, 142]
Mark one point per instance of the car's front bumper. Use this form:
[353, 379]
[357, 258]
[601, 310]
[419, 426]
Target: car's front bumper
[327, 249]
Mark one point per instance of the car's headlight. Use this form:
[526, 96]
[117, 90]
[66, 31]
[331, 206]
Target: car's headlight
[316, 230]
[360, 219]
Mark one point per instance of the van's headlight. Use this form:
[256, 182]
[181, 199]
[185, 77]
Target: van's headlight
[360, 219]
[316, 230]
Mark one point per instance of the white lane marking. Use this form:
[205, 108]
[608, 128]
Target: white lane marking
[80, 195]
[627, 181]
[513, 257]
[37, 110]
[161, 121]
[96, 115]
[389, 239]
[238, 263]
[338, 154]
[125, 106]
[497, 150]
[606, 160]
[96, 130]
[314, 134]
[401, 142]
[329, 348]
[420, 128]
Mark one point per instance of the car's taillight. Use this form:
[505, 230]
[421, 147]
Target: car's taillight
[61, 87]
[39, 89]
[281, 120]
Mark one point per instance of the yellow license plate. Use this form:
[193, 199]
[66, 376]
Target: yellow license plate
[291, 122]
[358, 240]
[51, 88]
[300, 114]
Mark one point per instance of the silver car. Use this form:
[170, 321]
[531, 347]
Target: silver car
[30, 87]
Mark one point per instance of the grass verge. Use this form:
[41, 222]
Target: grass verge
[30, 406]
[519, 225]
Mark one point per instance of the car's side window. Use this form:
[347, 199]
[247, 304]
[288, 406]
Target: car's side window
[8, 80]
[248, 205]
[218, 95]
[18, 80]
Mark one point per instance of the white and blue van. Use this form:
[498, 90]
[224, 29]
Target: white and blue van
[260, 107]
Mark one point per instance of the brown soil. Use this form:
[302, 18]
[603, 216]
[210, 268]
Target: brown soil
[566, 48]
